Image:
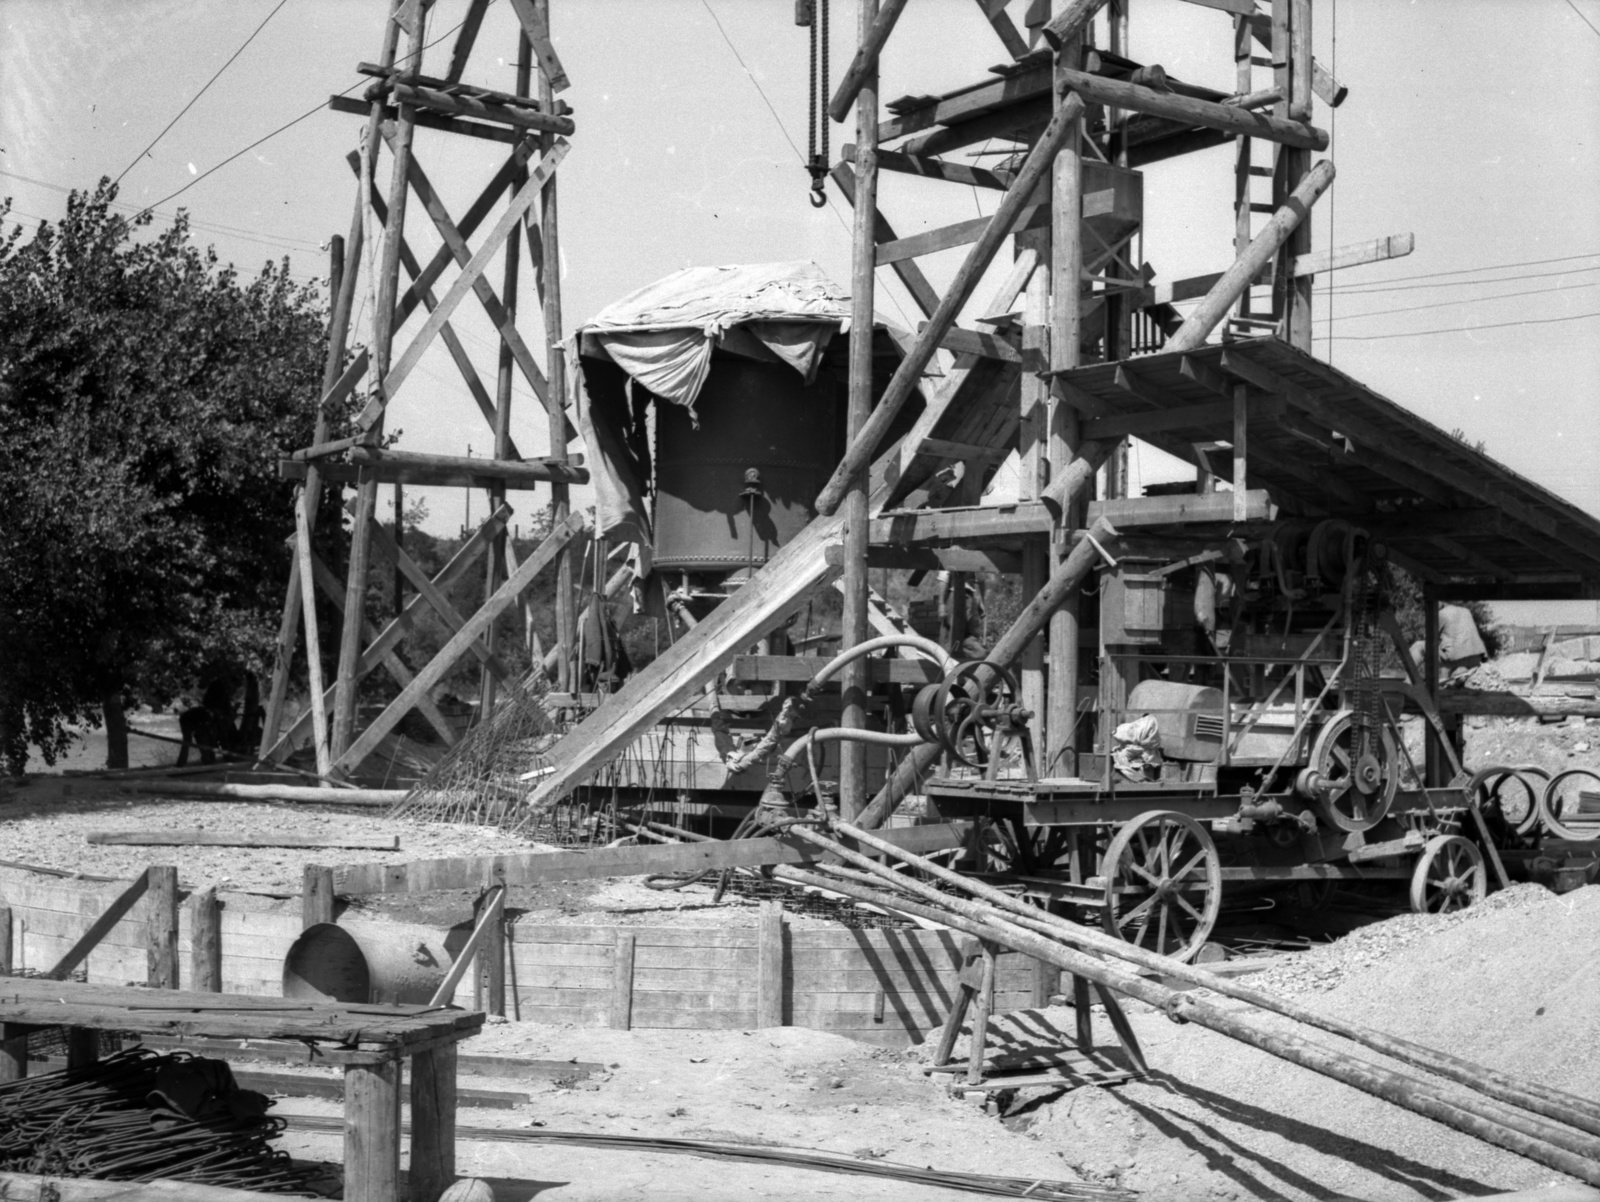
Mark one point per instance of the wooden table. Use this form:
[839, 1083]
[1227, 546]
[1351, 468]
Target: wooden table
[368, 1041]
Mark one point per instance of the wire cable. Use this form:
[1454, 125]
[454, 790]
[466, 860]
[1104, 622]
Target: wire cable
[1433, 275]
[1583, 18]
[1466, 300]
[1500, 325]
[202, 91]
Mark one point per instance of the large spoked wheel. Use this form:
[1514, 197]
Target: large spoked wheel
[1449, 876]
[1163, 884]
[1570, 805]
[1357, 785]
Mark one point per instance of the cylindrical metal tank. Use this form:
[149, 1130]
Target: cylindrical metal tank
[759, 416]
[367, 962]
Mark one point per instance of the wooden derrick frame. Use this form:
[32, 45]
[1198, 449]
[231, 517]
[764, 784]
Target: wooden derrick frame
[522, 187]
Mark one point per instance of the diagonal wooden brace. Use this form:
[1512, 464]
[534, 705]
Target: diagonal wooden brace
[389, 637]
[537, 30]
[453, 650]
[99, 929]
[464, 282]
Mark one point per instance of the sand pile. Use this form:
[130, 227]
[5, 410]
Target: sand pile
[1514, 985]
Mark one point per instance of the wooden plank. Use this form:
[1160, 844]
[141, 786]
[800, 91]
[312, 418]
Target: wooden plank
[308, 602]
[457, 471]
[461, 50]
[114, 913]
[1328, 89]
[427, 120]
[464, 282]
[865, 60]
[960, 233]
[471, 871]
[622, 982]
[200, 837]
[1016, 45]
[161, 926]
[453, 650]
[317, 895]
[944, 559]
[372, 1132]
[1190, 417]
[932, 168]
[1395, 246]
[988, 346]
[535, 24]
[770, 958]
[493, 913]
[425, 99]
[434, 1098]
[970, 104]
[1116, 93]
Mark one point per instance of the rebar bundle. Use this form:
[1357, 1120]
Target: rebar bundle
[483, 778]
[139, 1116]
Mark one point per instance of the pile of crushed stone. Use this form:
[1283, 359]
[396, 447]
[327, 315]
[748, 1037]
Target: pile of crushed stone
[1510, 984]
[1328, 966]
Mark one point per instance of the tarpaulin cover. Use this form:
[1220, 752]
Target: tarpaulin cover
[662, 337]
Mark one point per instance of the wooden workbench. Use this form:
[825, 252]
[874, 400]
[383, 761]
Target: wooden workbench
[368, 1041]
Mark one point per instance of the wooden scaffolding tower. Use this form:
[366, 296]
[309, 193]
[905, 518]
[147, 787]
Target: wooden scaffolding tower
[527, 128]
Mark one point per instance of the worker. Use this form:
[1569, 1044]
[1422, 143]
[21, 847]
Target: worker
[1461, 647]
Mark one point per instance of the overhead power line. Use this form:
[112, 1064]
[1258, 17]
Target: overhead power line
[1499, 325]
[1583, 18]
[1433, 275]
[202, 91]
[1504, 279]
[1466, 300]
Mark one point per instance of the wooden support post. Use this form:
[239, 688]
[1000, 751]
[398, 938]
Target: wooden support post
[961, 995]
[980, 1018]
[205, 942]
[622, 982]
[770, 959]
[14, 1051]
[308, 603]
[1082, 1018]
[83, 1047]
[1059, 755]
[1046, 983]
[372, 1129]
[555, 359]
[855, 682]
[1241, 434]
[490, 970]
[383, 324]
[5, 941]
[316, 895]
[1033, 448]
[861, 76]
[433, 1122]
[1291, 54]
[161, 926]
[1436, 762]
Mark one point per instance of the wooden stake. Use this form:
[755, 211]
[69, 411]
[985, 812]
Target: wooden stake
[980, 1018]
[316, 895]
[372, 1131]
[622, 983]
[769, 972]
[205, 934]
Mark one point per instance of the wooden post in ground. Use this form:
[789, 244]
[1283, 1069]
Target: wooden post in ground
[161, 919]
[769, 961]
[5, 941]
[372, 1129]
[855, 681]
[388, 283]
[1059, 756]
[489, 973]
[433, 1122]
[205, 942]
[316, 895]
[980, 1018]
[13, 1051]
[622, 983]
[495, 567]
[1046, 983]
[549, 279]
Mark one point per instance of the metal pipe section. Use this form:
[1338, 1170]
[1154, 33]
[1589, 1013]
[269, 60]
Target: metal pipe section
[916, 642]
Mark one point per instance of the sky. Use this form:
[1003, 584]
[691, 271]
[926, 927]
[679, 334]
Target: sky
[1474, 124]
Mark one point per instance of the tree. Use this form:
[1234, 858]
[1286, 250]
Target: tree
[145, 394]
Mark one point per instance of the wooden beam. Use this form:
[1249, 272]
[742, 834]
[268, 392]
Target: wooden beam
[1328, 89]
[200, 837]
[427, 120]
[99, 929]
[944, 559]
[1005, 28]
[1395, 246]
[529, 472]
[482, 474]
[1467, 555]
[1022, 519]
[308, 603]
[470, 872]
[1019, 121]
[461, 641]
[794, 668]
[465, 37]
[960, 233]
[987, 346]
[971, 105]
[1070, 21]
[494, 911]
[906, 377]
[517, 116]
[865, 61]
[922, 292]
[1257, 255]
[537, 31]
[1229, 119]
[1190, 417]
[463, 283]
[931, 168]
[940, 448]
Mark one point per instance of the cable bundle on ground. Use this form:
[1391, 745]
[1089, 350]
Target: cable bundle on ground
[138, 1116]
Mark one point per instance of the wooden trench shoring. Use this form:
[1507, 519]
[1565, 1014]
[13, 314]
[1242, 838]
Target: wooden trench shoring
[418, 85]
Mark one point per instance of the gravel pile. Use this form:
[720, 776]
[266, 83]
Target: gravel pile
[57, 838]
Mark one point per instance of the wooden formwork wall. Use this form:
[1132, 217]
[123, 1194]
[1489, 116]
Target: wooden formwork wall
[883, 987]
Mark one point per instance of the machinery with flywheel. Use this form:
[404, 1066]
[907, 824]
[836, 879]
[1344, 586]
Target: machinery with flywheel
[1248, 742]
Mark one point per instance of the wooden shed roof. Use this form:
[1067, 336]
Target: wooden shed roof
[1325, 444]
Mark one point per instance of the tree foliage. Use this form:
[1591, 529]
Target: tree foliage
[145, 393]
